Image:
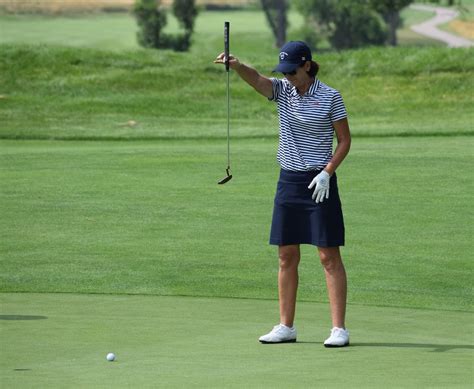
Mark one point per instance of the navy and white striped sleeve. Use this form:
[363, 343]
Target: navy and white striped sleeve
[277, 86]
[338, 110]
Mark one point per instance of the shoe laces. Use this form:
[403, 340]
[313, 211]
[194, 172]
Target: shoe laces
[338, 331]
[280, 327]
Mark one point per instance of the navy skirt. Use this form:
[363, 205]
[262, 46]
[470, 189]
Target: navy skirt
[297, 219]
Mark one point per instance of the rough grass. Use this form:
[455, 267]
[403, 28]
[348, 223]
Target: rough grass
[70, 93]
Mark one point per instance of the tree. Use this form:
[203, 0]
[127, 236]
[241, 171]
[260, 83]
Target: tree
[356, 26]
[151, 19]
[345, 23]
[390, 11]
[185, 11]
[276, 14]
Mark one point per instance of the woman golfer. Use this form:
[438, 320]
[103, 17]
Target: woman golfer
[307, 208]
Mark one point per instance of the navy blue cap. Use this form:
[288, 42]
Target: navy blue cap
[292, 55]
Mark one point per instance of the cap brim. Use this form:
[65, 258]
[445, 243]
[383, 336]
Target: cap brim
[286, 67]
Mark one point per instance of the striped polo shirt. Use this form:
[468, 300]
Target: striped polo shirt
[306, 131]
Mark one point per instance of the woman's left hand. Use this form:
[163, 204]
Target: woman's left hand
[321, 181]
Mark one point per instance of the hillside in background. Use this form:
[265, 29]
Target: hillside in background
[72, 93]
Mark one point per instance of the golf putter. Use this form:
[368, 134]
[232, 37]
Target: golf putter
[226, 53]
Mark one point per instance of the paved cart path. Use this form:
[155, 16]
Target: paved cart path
[429, 28]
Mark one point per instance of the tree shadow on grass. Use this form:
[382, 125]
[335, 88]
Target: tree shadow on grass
[435, 347]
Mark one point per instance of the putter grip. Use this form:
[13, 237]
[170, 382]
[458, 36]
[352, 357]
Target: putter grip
[226, 44]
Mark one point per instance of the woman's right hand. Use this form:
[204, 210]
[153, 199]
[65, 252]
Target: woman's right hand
[234, 62]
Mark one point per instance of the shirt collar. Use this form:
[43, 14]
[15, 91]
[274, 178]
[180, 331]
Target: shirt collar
[311, 91]
[314, 87]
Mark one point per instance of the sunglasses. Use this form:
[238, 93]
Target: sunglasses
[292, 73]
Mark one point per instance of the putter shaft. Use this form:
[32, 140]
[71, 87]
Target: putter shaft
[228, 122]
[227, 54]
[229, 175]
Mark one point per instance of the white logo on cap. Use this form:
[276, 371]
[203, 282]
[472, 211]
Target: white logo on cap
[283, 54]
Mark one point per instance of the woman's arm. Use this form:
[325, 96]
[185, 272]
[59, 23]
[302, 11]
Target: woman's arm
[261, 84]
[343, 135]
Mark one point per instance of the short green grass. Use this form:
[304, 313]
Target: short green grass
[467, 12]
[149, 217]
[57, 341]
[112, 32]
[118, 31]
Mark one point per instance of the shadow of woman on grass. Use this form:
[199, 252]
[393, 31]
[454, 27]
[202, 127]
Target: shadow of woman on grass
[434, 347]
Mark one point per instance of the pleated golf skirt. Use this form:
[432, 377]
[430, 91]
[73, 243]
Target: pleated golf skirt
[297, 219]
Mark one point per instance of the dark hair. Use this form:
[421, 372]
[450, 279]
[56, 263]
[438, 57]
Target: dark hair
[313, 71]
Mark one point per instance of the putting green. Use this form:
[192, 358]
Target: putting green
[61, 340]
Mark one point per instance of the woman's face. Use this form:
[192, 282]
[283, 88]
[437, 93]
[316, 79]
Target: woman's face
[300, 78]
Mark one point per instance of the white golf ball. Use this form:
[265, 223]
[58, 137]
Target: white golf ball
[111, 357]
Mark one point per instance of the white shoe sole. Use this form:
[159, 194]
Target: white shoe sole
[281, 341]
[336, 345]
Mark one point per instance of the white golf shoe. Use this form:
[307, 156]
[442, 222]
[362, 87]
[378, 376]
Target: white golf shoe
[339, 338]
[279, 334]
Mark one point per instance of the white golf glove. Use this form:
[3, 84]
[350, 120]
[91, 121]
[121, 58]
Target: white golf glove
[321, 181]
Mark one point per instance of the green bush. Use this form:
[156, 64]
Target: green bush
[186, 12]
[345, 23]
[177, 42]
[151, 19]
[356, 25]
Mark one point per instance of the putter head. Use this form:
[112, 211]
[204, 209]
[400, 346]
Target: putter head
[226, 179]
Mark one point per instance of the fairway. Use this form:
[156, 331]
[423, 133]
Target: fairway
[116, 32]
[61, 340]
[149, 217]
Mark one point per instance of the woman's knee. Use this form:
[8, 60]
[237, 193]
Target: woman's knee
[330, 258]
[289, 256]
